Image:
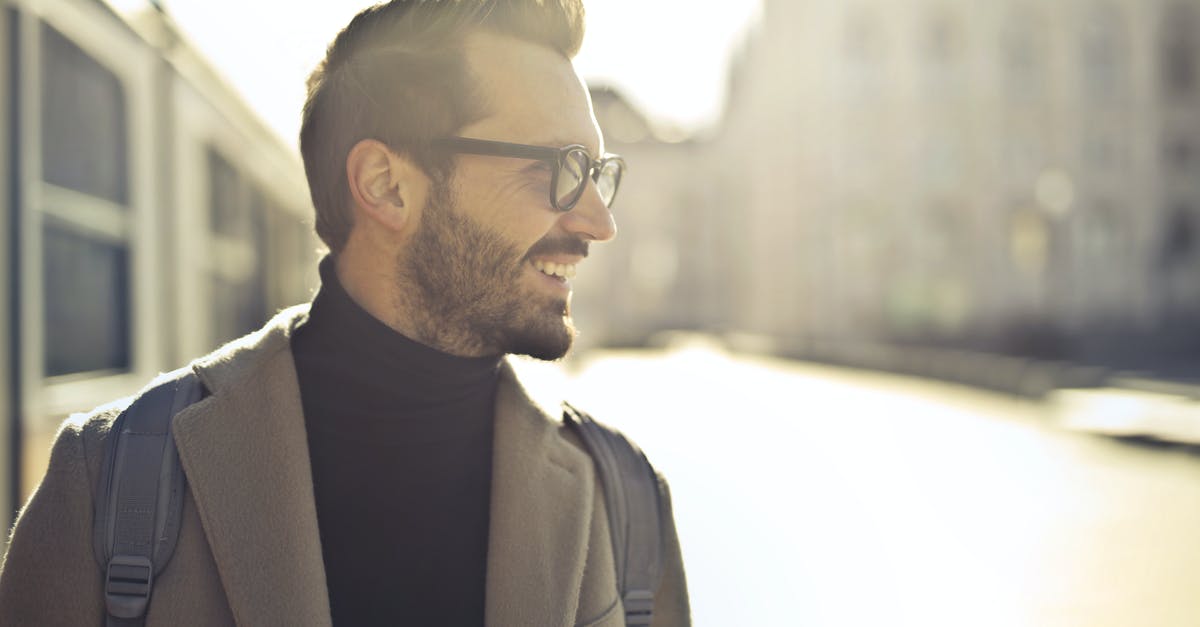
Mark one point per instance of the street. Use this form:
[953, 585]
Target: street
[807, 495]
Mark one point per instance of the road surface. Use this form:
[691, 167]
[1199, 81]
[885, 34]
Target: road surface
[808, 495]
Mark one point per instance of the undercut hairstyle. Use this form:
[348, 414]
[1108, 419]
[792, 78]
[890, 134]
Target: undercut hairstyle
[398, 74]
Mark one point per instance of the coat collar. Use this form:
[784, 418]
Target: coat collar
[245, 452]
[245, 455]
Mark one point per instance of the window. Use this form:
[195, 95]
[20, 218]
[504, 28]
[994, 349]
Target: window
[85, 247]
[290, 258]
[238, 279]
[1022, 49]
[1180, 239]
[84, 135]
[863, 77]
[1103, 235]
[87, 303]
[1180, 51]
[1103, 151]
[941, 43]
[1104, 54]
[1179, 154]
[942, 49]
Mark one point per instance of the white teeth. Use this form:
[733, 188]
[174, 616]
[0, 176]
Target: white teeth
[550, 268]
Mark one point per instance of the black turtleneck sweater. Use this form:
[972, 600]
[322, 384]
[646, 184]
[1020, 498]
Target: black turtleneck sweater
[400, 437]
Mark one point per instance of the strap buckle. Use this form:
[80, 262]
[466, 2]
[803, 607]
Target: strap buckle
[639, 607]
[127, 586]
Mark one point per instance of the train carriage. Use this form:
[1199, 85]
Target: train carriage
[149, 215]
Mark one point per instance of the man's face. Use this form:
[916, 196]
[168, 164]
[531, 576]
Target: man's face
[488, 240]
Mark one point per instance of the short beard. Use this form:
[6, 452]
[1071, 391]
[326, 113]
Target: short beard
[464, 290]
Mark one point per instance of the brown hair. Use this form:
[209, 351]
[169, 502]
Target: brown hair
[397, 74]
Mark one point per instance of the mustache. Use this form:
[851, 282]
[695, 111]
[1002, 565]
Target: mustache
[559, 246]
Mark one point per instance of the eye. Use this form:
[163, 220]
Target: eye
[539, 171]
[537, 176]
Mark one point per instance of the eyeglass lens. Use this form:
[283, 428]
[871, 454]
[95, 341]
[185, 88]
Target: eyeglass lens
[608, 179]
[573, 174]
[571, 177]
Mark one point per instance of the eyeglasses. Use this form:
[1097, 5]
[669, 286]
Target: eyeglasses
[572, 167]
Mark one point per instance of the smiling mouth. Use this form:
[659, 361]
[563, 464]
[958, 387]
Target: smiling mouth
[556, 270]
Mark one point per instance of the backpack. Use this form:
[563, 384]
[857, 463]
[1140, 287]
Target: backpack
[139, 502]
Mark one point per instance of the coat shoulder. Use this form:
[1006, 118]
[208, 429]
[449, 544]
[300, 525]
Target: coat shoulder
[50, 553]
[84, 435]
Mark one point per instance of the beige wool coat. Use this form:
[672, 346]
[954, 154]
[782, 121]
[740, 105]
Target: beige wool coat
[249, 552]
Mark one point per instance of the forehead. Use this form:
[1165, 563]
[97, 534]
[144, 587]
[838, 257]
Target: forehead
[531, 93]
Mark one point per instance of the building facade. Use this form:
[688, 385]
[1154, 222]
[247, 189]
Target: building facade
[1018, 176]
[148, 216]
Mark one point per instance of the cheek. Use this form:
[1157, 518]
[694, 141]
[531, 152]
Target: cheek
[514, 218]
[490, 200]
[514, 207]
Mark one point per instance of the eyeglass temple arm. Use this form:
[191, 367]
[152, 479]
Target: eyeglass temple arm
[490, 148]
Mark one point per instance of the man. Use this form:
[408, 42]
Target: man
[371, 459]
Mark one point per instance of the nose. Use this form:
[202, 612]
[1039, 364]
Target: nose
[590, 219]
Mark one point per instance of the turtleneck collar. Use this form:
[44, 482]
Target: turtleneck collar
[400, 440]
[379, 355]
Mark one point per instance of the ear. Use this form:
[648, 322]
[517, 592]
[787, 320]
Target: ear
[386, 186]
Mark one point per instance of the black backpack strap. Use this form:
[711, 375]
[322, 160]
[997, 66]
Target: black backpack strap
[139, 499]
[634, 512]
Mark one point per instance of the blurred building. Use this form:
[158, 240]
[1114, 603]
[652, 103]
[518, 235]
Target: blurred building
[663, 269]
[1018, 176]
[148, 215]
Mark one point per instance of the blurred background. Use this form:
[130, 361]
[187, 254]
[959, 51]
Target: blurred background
[905, 300]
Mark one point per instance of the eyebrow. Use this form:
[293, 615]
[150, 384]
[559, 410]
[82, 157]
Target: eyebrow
[536, 165]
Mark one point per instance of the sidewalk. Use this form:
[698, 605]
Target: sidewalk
[1091, 399]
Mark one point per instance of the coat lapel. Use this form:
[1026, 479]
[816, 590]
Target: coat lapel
[245, 453]
[541, 515]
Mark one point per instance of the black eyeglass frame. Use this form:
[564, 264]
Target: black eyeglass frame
[555, 157]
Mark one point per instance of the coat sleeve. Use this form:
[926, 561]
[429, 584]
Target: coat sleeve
[50, 576]
[671, 607]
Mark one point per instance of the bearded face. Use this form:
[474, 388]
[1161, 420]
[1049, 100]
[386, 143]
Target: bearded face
[469, 291]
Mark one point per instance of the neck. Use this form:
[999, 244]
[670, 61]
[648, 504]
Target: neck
[382, 291]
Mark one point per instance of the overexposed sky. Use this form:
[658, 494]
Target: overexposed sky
[670, 57]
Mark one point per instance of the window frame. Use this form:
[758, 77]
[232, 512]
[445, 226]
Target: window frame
[235, 258]
[208, 120]
[108, 42]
